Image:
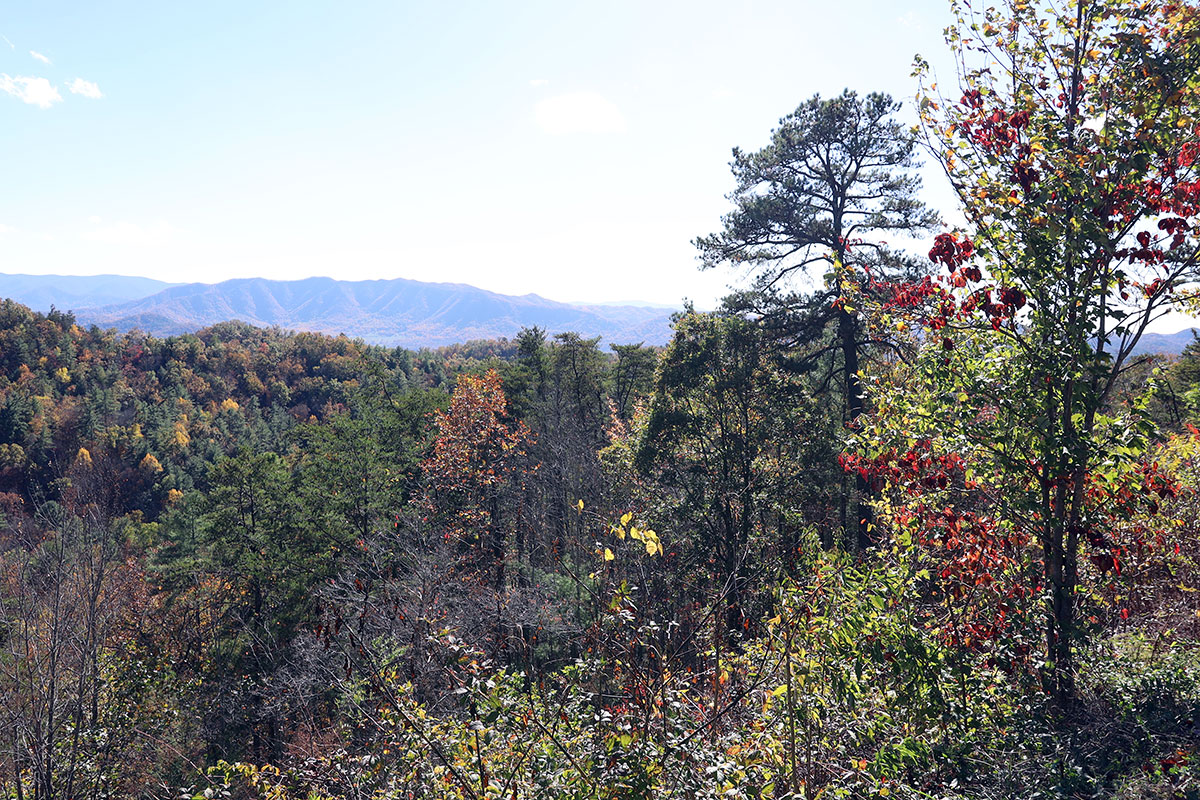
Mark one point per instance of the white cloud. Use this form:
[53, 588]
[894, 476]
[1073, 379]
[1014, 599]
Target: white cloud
[39, 56]
[85, 88]
[911, 21]
[10, 44]
[579, 112]
[539, 82]
[34, 91]
[6, 229]
[94, 219]
[129, 234]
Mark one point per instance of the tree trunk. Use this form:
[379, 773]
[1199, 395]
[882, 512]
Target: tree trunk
[847, 332]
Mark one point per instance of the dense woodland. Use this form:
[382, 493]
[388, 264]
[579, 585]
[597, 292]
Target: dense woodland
[884, 524]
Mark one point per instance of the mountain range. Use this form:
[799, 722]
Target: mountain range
[1170, 343]
[39, 292]
[392, 312]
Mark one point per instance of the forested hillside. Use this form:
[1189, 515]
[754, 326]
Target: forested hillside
[928, 530]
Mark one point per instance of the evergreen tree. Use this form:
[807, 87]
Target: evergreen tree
[836, 178]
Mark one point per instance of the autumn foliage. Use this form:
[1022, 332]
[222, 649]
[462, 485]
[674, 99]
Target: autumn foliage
[927, 530]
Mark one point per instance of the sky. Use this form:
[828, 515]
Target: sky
[572, 150]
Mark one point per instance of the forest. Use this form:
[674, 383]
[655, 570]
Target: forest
[910, 515]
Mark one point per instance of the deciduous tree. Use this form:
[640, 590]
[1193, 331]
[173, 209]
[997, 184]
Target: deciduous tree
[1073, 146]
[476, 455]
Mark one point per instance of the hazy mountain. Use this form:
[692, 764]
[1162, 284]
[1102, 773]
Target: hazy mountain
[1171, 343]
[399, 311]
[404, 312]
[68, 292]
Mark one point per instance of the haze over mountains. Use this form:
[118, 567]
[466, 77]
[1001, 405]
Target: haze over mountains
[65, 292]
[1172, 343]
[392, 312]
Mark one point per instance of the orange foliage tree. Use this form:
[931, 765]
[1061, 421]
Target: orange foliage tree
[477, 455]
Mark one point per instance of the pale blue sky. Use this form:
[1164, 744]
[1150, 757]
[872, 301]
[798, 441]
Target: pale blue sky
[567, 149]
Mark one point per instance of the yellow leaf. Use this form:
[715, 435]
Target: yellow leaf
[620, 533]
[579, 506]
[608, 554]
[626, 517]
[651, 547]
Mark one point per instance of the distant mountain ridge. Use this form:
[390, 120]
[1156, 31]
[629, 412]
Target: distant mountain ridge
[77, 291]
[1170, 343]
[392, 312]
